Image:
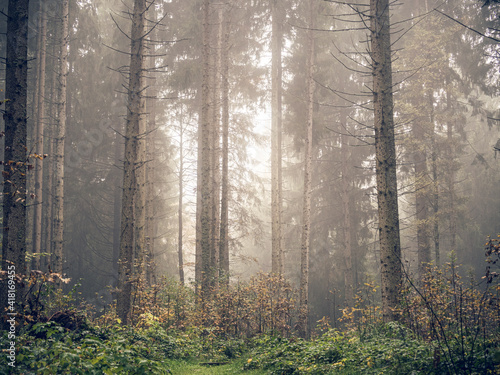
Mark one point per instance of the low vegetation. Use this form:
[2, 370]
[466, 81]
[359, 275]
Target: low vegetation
[446, 326]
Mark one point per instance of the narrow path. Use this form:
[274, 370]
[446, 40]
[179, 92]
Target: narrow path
[232, 368]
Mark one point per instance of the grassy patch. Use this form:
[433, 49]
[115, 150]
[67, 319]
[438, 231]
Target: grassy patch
[190, 367]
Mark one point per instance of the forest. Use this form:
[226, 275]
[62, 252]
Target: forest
[250, 187]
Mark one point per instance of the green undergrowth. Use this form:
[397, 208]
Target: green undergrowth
[47, 348]
[382, 349]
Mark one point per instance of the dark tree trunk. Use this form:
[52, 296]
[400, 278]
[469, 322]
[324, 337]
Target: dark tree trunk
[15, 160]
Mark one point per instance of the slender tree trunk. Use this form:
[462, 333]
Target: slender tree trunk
[39, 138]
[59, 142]
[450, 174]
[385, 153]
[205, 174]
[15, 158]
[435, 186]
[181, 196]
[50, 167]
[117, 202]
[276, 140]
[150, 213]
[346, 213]
[199, 187]
[306, 207]
[131, 242]
[224, 221]
[421, 199]
[216, 150]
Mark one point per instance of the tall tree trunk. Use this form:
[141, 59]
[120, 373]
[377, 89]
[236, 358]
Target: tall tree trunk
[117, 202]
[276, 140]
[39, 138]
[204, 161]
[450, 173]
[150, 159]
[130, 241]
[15, 158]
[421, 199]
[50, 167]
[59, 142]
[216, 149]
[224, 221]
[385, 153]
[181, 196]
[346, 213]
[303, 322]
[435, 185]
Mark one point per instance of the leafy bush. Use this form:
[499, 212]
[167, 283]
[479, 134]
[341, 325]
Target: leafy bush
[48, 348]
[389, 349]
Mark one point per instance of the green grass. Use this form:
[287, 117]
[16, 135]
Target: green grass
[189, 367]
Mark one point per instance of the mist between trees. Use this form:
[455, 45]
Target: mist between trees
[334, 158]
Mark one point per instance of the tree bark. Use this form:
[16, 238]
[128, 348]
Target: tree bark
[276, 140]
[205, 171]
[181, 196]
[421, 200]
[39, 138]
[450, 173]
[132, 240]
[49, 171]
[346, 213]
[15, 158]
[216, 150]
[150, 167]
[306, 206]
[385, 153]
[59, 142]
[435, 187]
[224, 221]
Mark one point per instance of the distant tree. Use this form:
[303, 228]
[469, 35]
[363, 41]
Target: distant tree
[276, 138]
[15, 160]
[224, 212]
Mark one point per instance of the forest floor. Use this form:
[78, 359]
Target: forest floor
[199, 368]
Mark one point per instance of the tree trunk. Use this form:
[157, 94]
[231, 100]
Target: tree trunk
[15, 158]
[224, 221]
[306, 207]
[131, 242]
[385, 153]
[181, 196]
[450, 173]
[39, 138]
[216, 150]
[205, 171]
[346, 213]
[59, 142]
[150, 158]
[435, 186]
[276, 136]
[117, 201]
[421, 200]
[49, 170]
